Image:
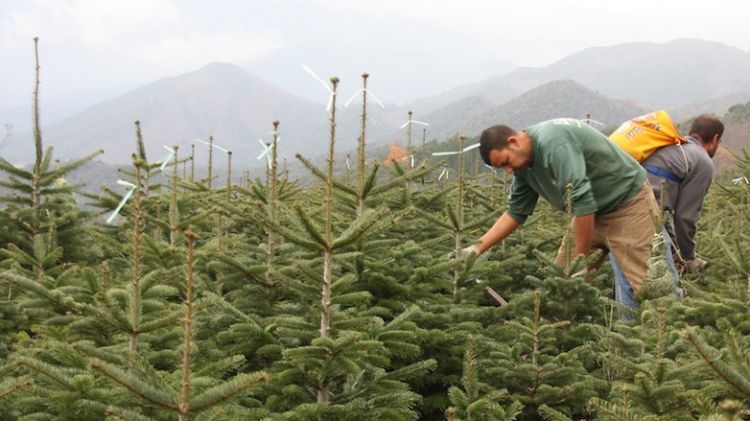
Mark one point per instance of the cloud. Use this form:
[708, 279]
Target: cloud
[537, 32]
[110, 46]
[229, 44]
[124, 43]
[88, 23]
[155, 32]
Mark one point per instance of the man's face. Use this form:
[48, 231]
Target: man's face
[513, 157]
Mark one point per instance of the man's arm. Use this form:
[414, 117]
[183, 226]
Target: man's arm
[584, 225]
[688, 205]
[502, 228]
[521, 203]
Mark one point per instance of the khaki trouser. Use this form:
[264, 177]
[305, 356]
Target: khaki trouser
[627, 233]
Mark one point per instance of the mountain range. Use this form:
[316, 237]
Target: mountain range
[668, 75]
[236, 107]
[219, 99]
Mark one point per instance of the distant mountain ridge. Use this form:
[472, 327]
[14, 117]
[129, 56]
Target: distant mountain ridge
[672, 74]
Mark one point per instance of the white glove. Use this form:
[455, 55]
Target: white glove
[465, 252]
[695, 265]
[581, 273]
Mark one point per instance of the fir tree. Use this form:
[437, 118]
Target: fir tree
[472, 402]
[536, 371]
[343, 370]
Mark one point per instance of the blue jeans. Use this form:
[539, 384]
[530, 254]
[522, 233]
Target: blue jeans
[623, 290]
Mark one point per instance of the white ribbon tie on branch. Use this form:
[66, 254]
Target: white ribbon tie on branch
[411, 158]
[213, 145]
[466, 149]
[164, 161]
[124, 199]
[377, 101]
[267, 148]
[414, 122]
[592, 122]
[322, 82]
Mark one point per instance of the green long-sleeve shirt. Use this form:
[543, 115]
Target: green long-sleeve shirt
[570, 151]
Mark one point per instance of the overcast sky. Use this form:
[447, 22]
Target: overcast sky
[111, 45]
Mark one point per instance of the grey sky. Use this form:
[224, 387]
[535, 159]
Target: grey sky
[113, 45]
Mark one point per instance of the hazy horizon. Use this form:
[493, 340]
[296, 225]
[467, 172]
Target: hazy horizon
[104, 48]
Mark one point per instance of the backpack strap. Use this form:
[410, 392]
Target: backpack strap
[662, 173]
[684, 155]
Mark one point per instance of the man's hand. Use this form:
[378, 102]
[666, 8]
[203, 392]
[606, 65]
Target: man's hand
[695, 265]
[465, 252]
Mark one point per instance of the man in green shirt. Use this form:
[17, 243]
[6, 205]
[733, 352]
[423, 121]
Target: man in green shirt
[612, 202]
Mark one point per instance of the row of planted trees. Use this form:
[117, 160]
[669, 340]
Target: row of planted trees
[336, 300]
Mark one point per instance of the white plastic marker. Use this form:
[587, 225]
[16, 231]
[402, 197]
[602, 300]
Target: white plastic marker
[213, 145]
[413, 122]
[444, 173]
[466, 149]
[164, 161]
[267, 148]
[124, 199]
[322, 82]
[377, 101]
[739, 180]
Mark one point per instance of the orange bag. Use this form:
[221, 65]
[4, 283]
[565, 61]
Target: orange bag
[641, 136]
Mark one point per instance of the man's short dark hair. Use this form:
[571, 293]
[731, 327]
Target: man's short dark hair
[706, 126]
[495, 137]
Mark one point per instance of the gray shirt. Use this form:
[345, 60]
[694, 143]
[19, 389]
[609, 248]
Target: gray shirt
[685, 199]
